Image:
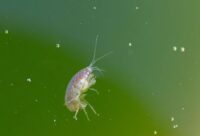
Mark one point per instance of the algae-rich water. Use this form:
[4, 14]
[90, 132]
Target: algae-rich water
[150, 83]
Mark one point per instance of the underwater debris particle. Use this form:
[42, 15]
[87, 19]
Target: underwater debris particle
[175, 126]
[36, 100]
[6, 31]
[54, 121]
[109, 90]
[130, 44]
[172, 119]
[155, 132]
[182, 49]
[174, 48]
[28, 80]
[136, 7]
[94, 7]
[183, 108]
[57, 45]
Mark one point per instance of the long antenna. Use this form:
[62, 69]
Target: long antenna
[95, 61]
[94, 54]
[95, 49]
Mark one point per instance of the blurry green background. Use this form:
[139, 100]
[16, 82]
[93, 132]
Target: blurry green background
[147, 88]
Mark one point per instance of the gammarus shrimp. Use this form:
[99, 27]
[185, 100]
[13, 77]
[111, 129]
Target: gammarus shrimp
[80, 83]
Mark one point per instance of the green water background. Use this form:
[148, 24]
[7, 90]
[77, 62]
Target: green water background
[142, 88]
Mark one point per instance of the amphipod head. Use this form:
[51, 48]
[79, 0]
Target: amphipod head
[89, 70]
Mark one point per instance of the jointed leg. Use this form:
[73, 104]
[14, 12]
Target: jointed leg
[91, 80]
[95, 90]
[92, 108]
[75, 115]
[86, 114]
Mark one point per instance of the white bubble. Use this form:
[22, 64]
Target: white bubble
[129, 44]
[175, 126]
[57, 45]
[136, 7]
[174, 48]
[54, 120]
[6, 31]
[155, 132]
[172, 119]
[94, 7]
[28, 80]
[182, 49]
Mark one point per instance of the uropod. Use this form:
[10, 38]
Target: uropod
[80, 83]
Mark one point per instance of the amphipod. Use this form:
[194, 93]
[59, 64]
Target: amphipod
[80, 83]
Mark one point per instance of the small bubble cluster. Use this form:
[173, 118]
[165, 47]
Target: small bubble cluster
[175, 48]
[175, 126]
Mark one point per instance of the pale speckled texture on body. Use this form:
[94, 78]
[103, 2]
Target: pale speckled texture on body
[74, 87]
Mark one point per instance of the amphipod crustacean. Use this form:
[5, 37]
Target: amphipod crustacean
[80, 83]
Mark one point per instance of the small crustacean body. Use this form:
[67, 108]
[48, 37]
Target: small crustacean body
[80, 83]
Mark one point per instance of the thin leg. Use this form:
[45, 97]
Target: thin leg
[95, 90]
[76, 113]
[91, 80]
[92, 109]
[86, 114]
